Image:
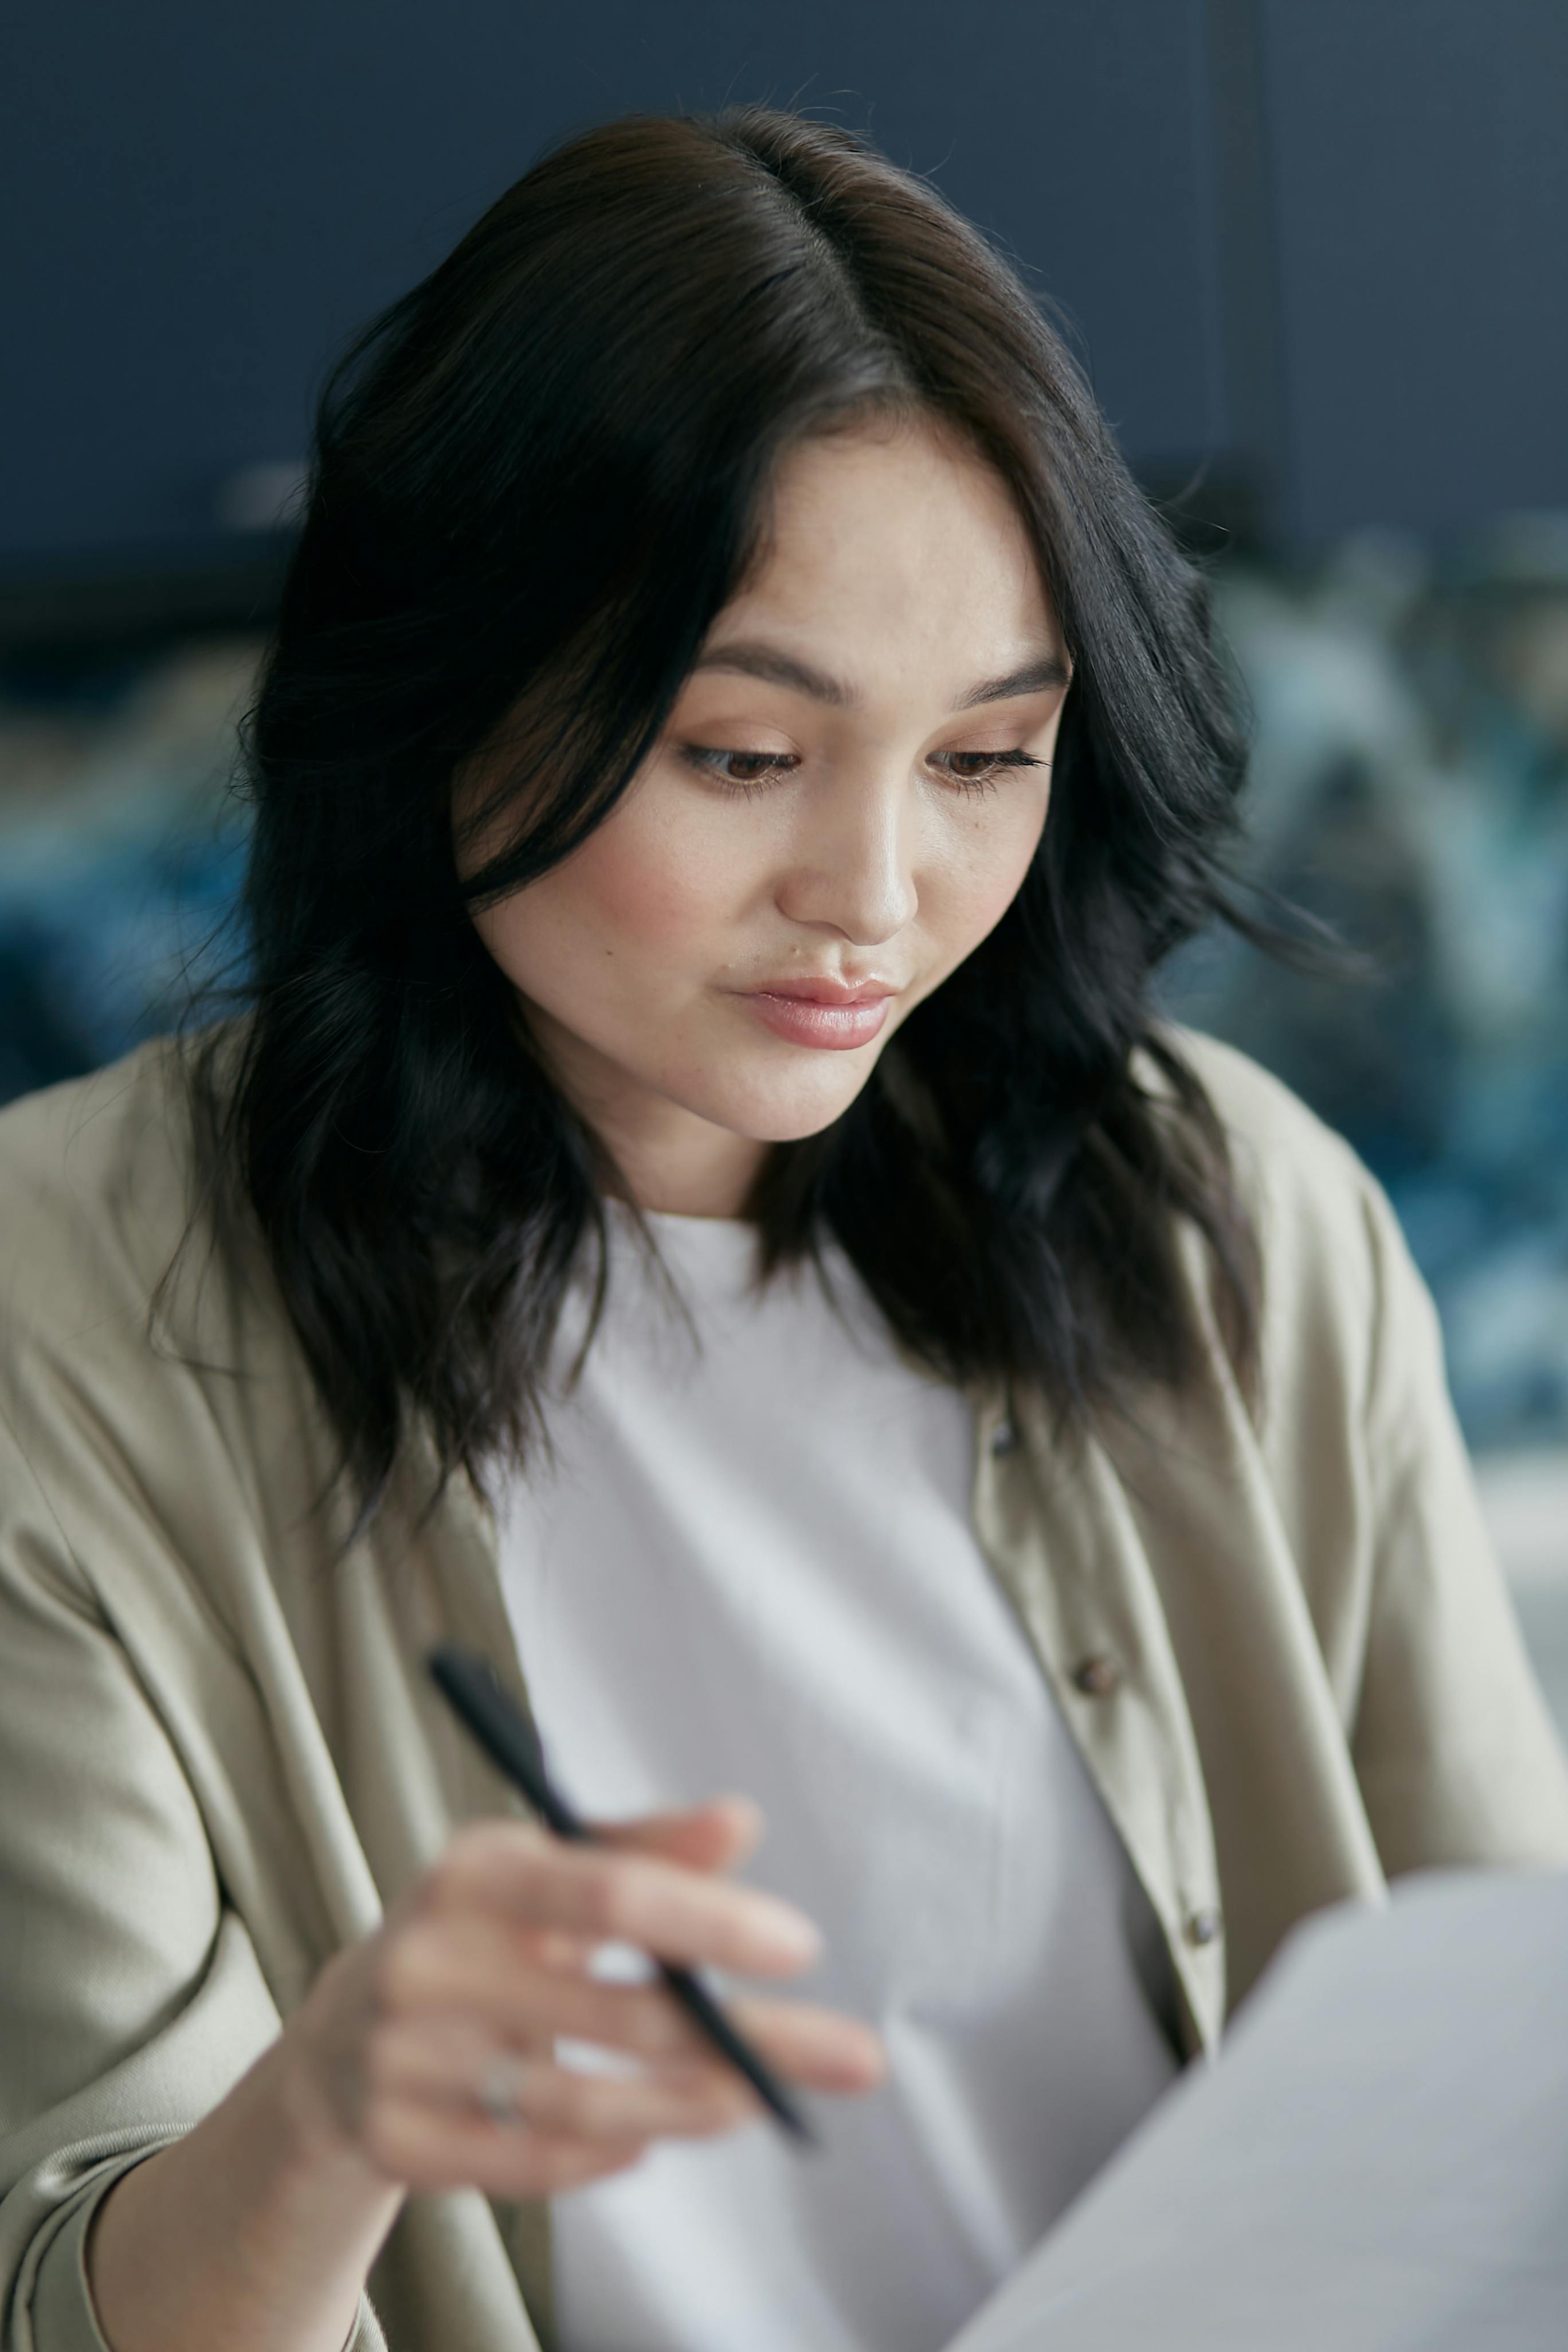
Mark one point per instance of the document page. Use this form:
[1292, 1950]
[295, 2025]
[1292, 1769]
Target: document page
[1378, 2162]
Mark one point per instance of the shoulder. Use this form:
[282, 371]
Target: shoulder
[95, 1190]
[1343, 1307]
[110, 1254]
[155, 1408]
[97, 1178]
[1275, 1139]
[1306, 1188]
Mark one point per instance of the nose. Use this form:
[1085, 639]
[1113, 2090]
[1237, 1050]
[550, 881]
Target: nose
[852, 870]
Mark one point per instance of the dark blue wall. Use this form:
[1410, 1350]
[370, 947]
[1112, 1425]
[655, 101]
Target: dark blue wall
[1420, 155]
[204, 199]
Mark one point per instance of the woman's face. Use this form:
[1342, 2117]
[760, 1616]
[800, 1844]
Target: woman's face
[844, 802]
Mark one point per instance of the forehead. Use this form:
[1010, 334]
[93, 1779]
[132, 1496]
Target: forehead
[894, 543]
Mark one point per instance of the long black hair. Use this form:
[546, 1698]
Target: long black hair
[538, 477]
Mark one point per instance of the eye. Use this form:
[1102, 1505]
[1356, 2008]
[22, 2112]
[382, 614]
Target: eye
[740, 771]
[976, 772]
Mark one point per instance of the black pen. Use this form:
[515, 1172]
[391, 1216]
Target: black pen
[468, 1683]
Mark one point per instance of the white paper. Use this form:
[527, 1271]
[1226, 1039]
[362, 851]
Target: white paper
[1377, 2163]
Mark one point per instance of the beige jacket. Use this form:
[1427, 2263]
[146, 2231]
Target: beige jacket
[1283, 1649]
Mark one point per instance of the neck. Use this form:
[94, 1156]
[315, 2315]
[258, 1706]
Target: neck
[684, 1179]
[666, 1157]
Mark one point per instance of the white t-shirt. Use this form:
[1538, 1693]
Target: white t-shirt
[752, 1568]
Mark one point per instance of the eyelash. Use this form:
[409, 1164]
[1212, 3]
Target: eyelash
[770, 765]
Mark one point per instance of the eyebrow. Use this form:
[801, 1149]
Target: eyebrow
[746, 659]
[1042, 677]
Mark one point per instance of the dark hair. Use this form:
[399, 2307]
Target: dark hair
[538, 479]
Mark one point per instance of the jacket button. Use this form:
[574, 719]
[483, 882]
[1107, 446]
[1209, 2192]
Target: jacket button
[1203, 1926]
[1097, 1678]
[1003, 1439]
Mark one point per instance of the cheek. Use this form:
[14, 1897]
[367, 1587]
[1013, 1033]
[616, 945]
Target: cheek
[642, 894]
[981, 875]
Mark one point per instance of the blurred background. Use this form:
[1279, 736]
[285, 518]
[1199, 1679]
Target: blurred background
[1313, 253]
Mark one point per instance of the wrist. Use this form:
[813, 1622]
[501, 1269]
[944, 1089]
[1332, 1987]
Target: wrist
[315, 2097]
[257, 2227]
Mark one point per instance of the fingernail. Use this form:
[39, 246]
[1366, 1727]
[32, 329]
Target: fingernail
[792, 1932]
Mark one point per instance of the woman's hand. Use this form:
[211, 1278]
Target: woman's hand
[428, 2050]
[260, 2226]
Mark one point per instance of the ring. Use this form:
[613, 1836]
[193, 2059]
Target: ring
[500, 2084]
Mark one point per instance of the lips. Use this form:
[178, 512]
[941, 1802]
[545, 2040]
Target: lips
[830, 1016]
[829, 992]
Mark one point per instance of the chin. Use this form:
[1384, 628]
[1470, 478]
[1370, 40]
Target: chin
[770, 1114]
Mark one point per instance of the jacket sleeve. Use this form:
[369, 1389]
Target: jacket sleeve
[1457, 1759]
[132, 1997]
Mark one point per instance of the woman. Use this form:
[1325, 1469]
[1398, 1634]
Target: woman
[701, 1209]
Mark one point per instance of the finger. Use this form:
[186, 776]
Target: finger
[445, 2070]
[621, 1897]
[820, 2048]
[427, 2149]
[474, 1978]
[715, 1837]
[691, 2099]
[438, 2049]
[448, 2068]
[475, 1983]
[439, 2063]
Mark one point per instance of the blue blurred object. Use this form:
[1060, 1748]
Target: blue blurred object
[122, 848]
[1410, 789]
